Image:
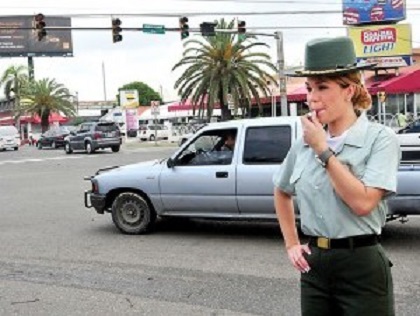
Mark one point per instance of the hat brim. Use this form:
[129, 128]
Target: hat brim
[327, 72]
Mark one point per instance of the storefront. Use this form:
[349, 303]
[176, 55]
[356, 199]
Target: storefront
[393, 94]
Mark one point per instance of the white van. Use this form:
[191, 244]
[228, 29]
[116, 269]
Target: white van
[151, 132]
[9, 137]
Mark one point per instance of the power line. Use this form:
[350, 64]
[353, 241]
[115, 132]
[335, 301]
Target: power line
[196, 30]
[193, 14]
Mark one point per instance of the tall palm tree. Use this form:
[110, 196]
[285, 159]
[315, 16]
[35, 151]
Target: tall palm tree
[45, 97]
[223, 65]
[14, 79]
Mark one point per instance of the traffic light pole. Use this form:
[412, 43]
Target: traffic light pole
[31, 68]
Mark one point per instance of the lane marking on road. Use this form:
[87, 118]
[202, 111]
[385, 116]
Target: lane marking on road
[42, 159]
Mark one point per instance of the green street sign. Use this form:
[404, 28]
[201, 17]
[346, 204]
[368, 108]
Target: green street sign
[153, 29]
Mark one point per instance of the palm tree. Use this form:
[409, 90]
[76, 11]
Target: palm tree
[13, 80]
[223, 65]
[45, 97]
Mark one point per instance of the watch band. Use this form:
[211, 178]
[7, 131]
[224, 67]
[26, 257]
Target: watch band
[325, 156]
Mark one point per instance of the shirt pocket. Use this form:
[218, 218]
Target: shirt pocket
[357, 168]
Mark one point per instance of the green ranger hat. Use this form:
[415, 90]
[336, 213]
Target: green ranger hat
[329, 56]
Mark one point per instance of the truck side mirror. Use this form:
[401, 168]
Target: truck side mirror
[170, 163]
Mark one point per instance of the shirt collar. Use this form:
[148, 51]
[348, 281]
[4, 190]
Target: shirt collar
[357, 132]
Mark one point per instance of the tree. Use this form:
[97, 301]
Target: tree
[45, 97]
[13, 80]
[223, 65]
[146, 93]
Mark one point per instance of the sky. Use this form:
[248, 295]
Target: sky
[150, 58]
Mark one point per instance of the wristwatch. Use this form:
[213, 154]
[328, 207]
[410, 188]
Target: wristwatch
[323, 157]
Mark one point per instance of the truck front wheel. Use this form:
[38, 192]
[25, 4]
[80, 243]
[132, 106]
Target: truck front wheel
[132, 214]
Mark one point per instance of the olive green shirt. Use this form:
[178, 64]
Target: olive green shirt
[371, 152]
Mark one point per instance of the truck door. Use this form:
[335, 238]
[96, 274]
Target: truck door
[203, 180]
[265, 148]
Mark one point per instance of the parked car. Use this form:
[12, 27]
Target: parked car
[152, 132]
[53, 137]
[202, 181]
[132, 133]
[9, 137]
[92, 136]
[409, 138]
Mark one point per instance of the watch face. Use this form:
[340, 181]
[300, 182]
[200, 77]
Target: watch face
[324, 156]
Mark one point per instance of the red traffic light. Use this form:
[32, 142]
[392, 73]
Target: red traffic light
[116, 22]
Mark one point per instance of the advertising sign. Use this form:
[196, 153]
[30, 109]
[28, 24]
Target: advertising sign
[387, 45]
[132, 122]
[19, 38]
[373, 11]
[129, 101]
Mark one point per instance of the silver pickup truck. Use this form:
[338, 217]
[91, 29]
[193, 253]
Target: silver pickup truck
[205, 180]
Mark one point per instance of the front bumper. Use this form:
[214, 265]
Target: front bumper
[95, 200]
[8, 145]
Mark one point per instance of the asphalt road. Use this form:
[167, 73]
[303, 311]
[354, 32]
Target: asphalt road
[58, 258]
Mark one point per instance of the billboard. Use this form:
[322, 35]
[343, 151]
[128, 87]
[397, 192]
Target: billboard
[373, 11]
[387, 45]
[129, 99]
[19, 38]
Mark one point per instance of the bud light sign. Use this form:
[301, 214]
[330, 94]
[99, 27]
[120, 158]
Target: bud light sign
[359, 12]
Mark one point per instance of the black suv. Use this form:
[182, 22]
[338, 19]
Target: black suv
[54, 137]
[92, 136]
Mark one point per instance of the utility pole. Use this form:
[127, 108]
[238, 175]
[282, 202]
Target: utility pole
[282, 78]
[104, 79]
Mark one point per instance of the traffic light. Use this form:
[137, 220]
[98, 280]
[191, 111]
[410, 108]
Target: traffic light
[183, 27]
[241, 30]
[40, 26]
[207, 28]
[116, 30]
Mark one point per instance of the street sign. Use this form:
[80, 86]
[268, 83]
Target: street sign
[231, 103]
[155, 110]
[153, 29]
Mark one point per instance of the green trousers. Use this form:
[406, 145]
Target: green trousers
[347, 282]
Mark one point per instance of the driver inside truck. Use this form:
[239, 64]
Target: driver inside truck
[229, 141]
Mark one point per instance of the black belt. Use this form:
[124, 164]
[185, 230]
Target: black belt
[342, 243]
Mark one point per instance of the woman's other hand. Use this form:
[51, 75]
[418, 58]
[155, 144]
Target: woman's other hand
[297, 259]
